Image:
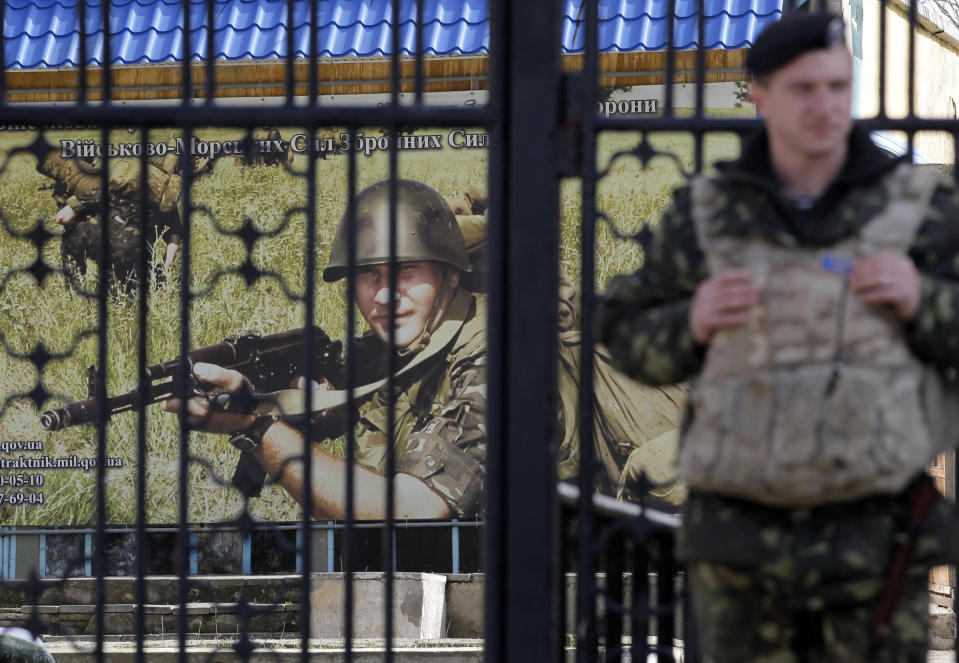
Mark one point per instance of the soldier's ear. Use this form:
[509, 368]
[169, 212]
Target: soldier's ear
[454, 278]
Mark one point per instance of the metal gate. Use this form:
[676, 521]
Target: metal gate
[544, 132]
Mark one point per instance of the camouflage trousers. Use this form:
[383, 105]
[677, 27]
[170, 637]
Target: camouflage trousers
[745, 615]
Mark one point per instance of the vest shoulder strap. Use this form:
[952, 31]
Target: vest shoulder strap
[910, 191]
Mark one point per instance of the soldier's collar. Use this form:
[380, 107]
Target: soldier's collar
[865, 161]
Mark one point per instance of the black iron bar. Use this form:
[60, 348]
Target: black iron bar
[106, 66]
[309, 301]
[183, 536]
[210, 52]
[586, 591]
[496, 596]
[882, 59]
[666, 598]
[639, 601]
[290, 79]
[186, 75]
[419, 54]
[82, 59]
[700, 56]
[349, 536]
[104, 272]
[615, 562]
[314, 73]
[911, 76]
[392, 366]
[143, 384]
[670, 59]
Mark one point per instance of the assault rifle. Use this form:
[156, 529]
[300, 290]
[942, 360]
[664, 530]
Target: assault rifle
[270, 362]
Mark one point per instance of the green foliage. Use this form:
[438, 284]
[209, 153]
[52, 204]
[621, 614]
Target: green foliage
[273, 199]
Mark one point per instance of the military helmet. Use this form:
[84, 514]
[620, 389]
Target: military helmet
[426, 229]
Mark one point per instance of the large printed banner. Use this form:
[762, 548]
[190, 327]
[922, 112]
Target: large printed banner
[246, 245]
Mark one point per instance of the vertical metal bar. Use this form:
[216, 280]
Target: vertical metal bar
[106, 68]
[670, 58]
[290, 83]
[615, 560]
[186, 75]
[314, 73]
[419, 83]
[395, 52]
[186, 168]
[700, 55]
[143, 385]
[82, 53]
[42, 557]
[210, 52]
[349, 533]
[3, 54]
[882, 58]
[104, 277]
[304, 541]
[388, 531]
[455, 545]
[639, 602]
[912, 66]
[666, 598]
[524, 241]
[330, 548]
[586, 590]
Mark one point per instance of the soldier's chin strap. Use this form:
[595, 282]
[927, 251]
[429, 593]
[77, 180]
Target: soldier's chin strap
[423, 340]
[290, 402]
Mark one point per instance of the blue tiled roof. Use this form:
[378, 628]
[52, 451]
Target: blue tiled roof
[45, 33]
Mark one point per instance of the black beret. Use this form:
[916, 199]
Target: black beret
[792, 36]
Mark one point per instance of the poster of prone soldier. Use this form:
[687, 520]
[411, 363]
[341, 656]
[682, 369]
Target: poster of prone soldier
[246, 247]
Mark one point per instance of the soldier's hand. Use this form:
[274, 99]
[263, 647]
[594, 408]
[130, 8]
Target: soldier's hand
[722, 301]
[888, 279]
[201, 413]
[66, 216]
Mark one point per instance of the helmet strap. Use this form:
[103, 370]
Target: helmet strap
[424, 339]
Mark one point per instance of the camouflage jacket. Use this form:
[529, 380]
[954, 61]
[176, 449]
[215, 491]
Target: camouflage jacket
[643, 317]
[440, 417]
[77, 184]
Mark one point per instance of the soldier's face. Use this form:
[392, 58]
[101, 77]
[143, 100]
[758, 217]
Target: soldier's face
[806, 104]
[418, 284]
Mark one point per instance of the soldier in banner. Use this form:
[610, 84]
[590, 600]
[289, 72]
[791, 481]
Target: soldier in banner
[76, 190]
[809, 289]
[440, 387]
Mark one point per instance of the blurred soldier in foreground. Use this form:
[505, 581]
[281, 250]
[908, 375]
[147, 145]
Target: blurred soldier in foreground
[440, 336]
[809, 288]
[18, 645]
[76, 190]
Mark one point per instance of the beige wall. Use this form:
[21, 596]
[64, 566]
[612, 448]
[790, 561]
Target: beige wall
[937, 71]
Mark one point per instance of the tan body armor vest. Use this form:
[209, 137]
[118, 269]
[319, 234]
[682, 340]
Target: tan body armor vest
[817, 398]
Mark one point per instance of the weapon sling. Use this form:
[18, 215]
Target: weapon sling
[923, 496]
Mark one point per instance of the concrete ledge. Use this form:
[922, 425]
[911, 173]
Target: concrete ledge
[419, 605]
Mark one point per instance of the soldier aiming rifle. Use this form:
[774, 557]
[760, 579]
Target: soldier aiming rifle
[76, 191]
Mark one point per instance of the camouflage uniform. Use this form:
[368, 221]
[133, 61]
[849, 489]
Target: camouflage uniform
[78, 186]
[791, 581]
[440, 414]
